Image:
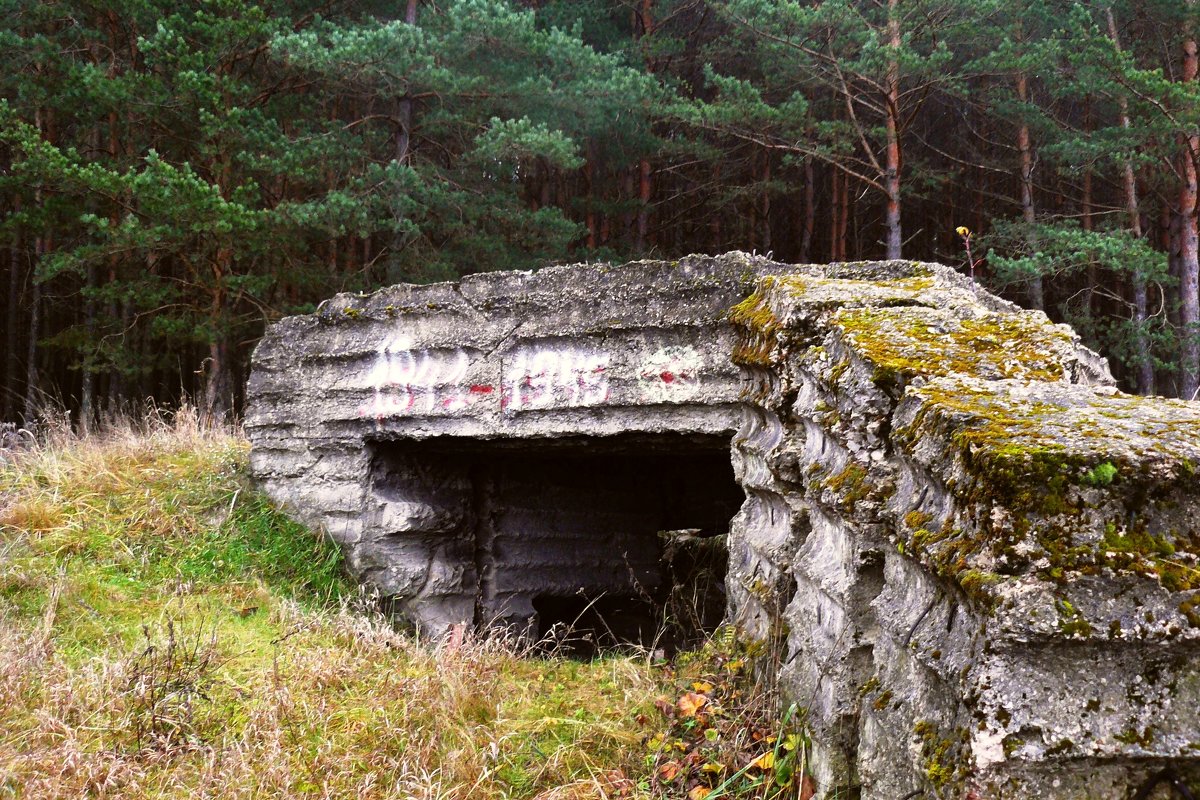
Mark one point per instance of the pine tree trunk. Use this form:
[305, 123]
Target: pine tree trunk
[1189, 292]
[545, 194]
[809, 218]
[40, 248]
[404, 111]
[87, 376]
[643, 216]
[1086, 212]
[590, 219]
[1141, 313]
[750, 217]
[844, 218]
[32, 404]
[218, 388]
[714, 223]
[628, 191]
[115, 396]
[836, 208]
[644, 28]
[1189, 243]
[892, 124]
[13, 336]
[218, 384]
[1028, 212]
[765, 203]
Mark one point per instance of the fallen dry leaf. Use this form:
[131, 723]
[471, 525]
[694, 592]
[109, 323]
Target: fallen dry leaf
[765, 761]
[690, 703]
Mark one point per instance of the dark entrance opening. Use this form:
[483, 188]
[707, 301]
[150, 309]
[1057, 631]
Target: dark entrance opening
[599, 540]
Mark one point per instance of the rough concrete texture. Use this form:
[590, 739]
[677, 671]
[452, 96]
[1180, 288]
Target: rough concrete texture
[976, 558]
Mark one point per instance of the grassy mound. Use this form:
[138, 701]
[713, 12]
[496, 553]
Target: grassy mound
[165, 632]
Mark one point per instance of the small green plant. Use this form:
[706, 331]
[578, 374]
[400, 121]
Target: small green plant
[1101, 474]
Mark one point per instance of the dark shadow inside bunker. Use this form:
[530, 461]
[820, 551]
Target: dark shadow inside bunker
[582, 542]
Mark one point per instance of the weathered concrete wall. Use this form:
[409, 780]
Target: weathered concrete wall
[977, 559]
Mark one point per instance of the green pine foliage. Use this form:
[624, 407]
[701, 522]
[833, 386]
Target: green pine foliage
[176, 175]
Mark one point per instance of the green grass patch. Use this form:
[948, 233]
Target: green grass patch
[165, 631]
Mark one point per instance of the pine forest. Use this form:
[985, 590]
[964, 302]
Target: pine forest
[176, 175]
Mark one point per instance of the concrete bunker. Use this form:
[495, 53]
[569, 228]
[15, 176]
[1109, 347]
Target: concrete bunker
[944, 512]
[510, 446]
[572, 531]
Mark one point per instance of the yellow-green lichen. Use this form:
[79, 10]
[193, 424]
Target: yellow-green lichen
[1188, 609]
[1071, 621]
[975, 582]
[942, 758]
[905, 342]
[832, 293]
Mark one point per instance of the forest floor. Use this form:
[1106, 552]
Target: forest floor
[166, 632]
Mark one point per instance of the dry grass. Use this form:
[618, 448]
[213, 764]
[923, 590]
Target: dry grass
[345, 708]
[164, 632]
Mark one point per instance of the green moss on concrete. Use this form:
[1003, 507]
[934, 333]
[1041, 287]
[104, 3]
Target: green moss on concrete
[1101, 474]
[1050, 463]
[759, 327]
[1071, 621]
[917, 519]
[1189, 610]
[1035, 464]
[1142, 738]
[850, 484]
